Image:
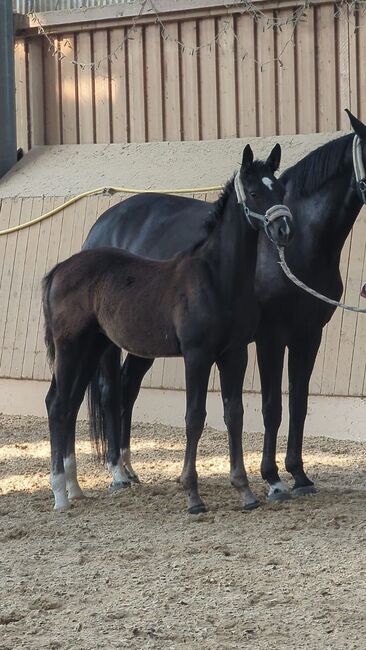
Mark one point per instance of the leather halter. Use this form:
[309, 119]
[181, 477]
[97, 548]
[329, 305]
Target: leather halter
[359, 166]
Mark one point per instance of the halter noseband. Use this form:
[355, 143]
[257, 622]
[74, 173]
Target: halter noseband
[359, 166]
[273, 213]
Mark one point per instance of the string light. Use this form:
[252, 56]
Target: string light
[244, 7]
[90, 64]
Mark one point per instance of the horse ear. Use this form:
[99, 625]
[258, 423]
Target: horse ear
[247, 157]
[358, 126]
[274, 158]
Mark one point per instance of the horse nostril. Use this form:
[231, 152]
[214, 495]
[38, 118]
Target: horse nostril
[284, 231]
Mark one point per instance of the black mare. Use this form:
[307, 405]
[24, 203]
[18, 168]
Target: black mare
[199, 305]
[323, 195]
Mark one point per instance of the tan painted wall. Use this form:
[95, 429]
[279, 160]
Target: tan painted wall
[57, 172]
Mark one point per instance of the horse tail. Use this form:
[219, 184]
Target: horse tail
[48, 335]
[97, 428]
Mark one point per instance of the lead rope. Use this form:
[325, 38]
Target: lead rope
[360, 179]
[303, 286]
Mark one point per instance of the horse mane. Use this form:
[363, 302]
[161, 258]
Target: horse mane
[318, 167]
[218, 206]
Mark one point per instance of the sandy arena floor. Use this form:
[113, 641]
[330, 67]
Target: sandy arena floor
[134, 570]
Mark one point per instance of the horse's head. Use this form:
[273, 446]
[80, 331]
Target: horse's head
[261, 194]
[359, 155]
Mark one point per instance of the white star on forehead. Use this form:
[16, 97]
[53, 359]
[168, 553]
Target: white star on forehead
[267, 181]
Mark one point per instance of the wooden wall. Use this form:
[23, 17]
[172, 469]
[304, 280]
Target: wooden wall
[255, 81]
[25, 256]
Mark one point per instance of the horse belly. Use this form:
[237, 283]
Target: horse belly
[143, 339]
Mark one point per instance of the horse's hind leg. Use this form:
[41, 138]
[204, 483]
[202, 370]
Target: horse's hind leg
[74, 365]
[232, 366]
[73, 489]
[110, 389]
[58, 446]
[133, 371]
[197, 369]
[62, 437]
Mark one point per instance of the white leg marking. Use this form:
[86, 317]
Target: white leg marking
[73, 488]
[267, 182]
[58, 484]
[275, 488]
[119, 474]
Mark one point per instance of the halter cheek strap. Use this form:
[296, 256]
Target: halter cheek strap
[273, 213]
[359, 166]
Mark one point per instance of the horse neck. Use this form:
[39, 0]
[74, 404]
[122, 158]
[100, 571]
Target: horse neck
[326, 217]
[231, 251]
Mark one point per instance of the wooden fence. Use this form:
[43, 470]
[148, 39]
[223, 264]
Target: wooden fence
[233, 77]
[25, 256]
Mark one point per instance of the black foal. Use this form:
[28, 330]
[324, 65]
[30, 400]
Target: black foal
[199, 305]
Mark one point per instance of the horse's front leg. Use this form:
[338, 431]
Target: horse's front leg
[301, 359]
[270, 355]
[232, 366]
[197, 370]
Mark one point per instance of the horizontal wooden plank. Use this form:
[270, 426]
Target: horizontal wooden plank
[117, 15]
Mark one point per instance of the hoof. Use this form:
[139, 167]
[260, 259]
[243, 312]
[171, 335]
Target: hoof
[116, 487]
[196, 510]
[252, 505]
[77, 497]
[278, 495]
[61, 509]
[303, 491]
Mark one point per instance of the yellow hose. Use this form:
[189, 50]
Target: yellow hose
[105, 190]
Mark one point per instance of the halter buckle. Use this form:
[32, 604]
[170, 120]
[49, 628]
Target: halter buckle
[362, 188]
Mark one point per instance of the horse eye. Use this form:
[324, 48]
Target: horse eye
[253, 194]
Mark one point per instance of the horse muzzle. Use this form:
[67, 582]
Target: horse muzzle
[278, 225]
[285, 233]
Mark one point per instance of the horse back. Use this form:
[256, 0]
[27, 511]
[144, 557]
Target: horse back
[156, 226]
